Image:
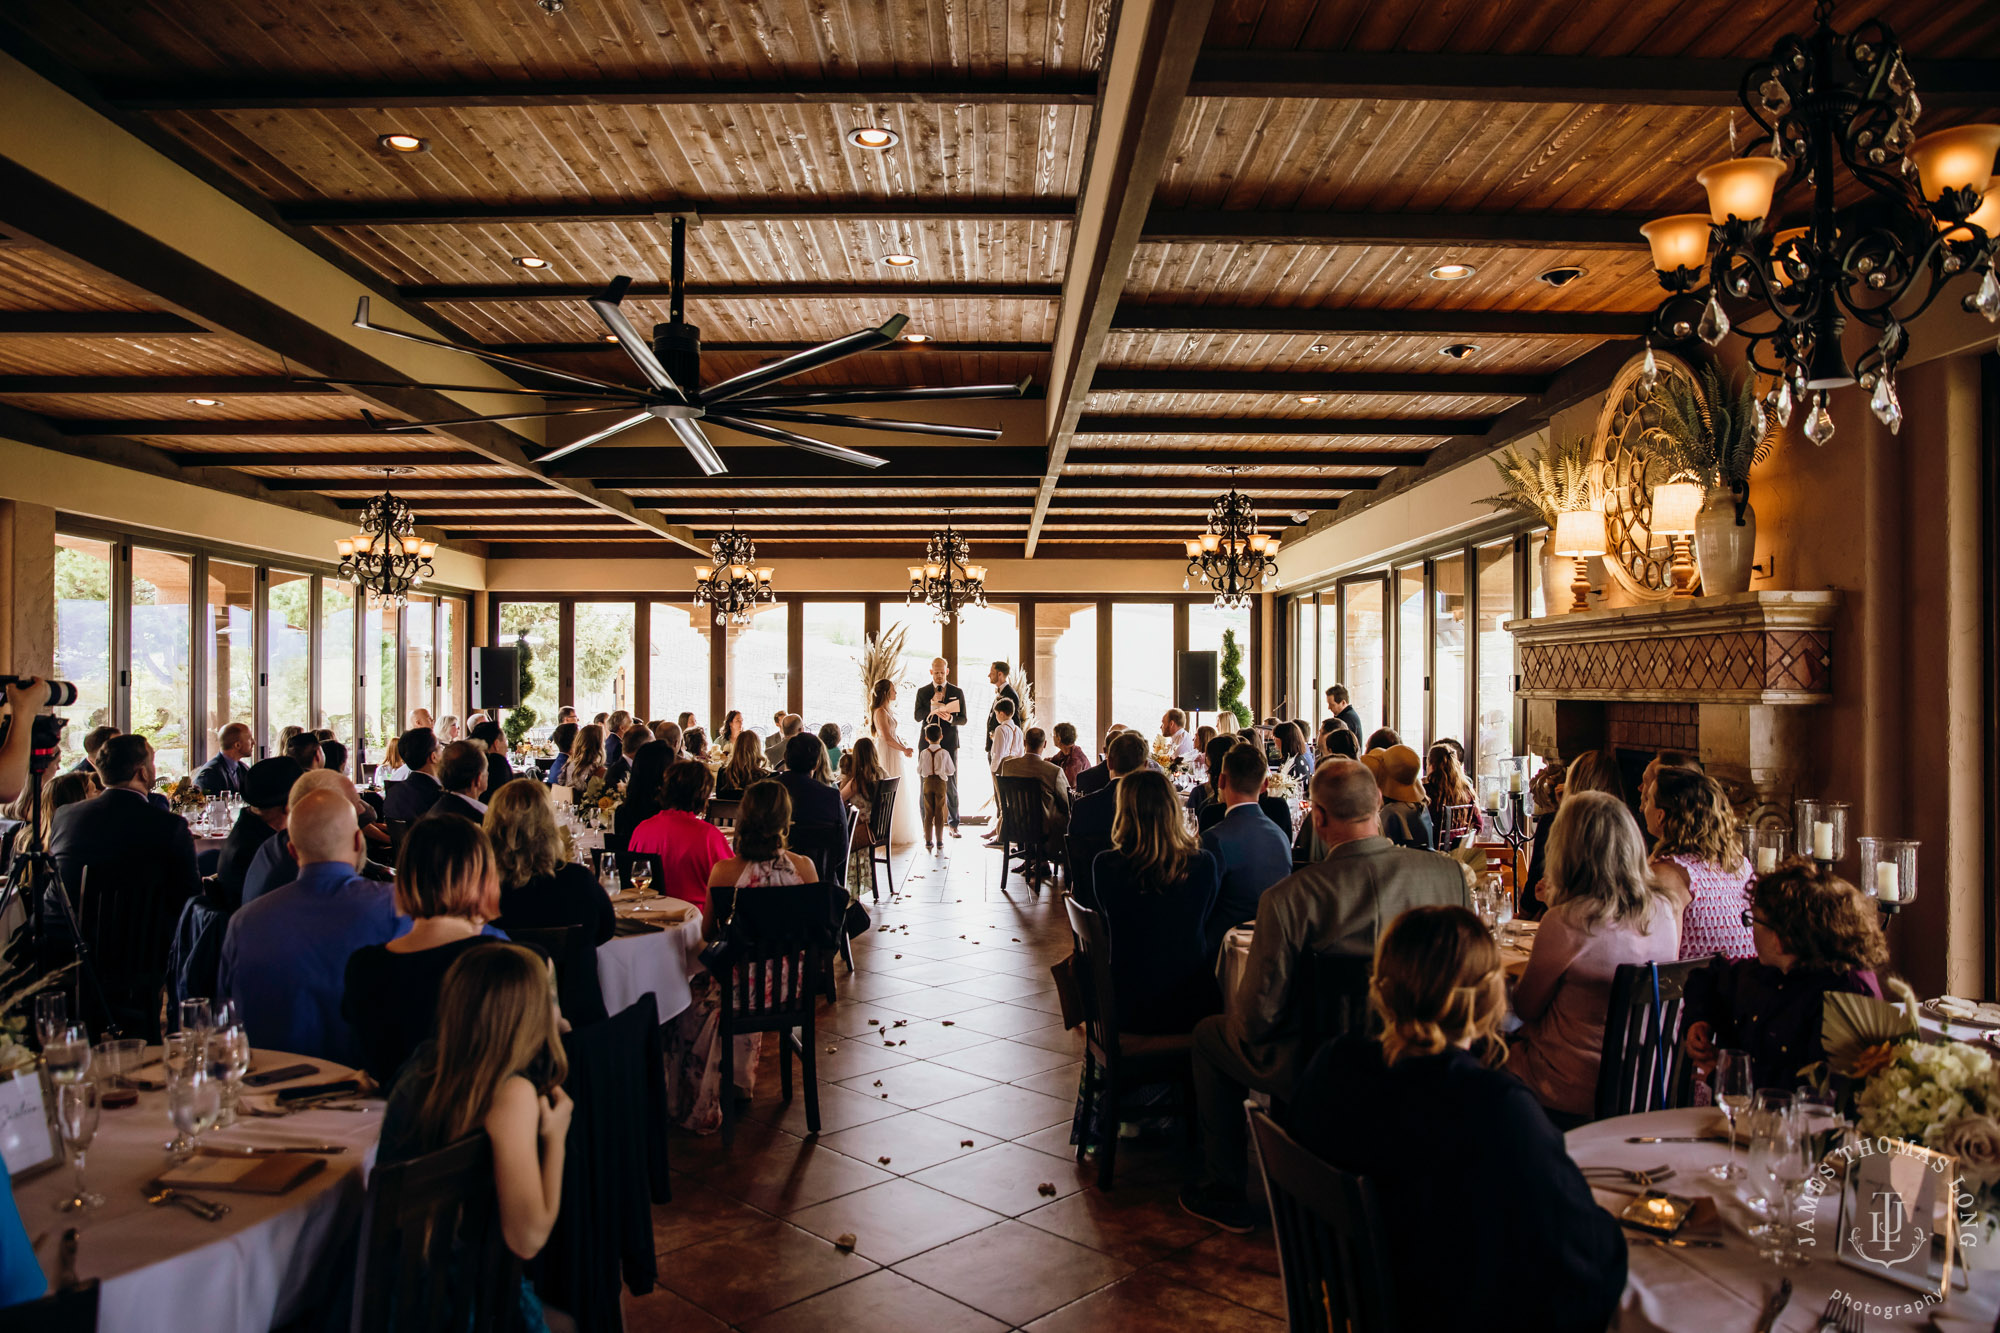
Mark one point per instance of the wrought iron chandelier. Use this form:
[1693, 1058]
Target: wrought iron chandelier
[386, 557]
[733, 582]
[947, 582]
[1835, 107]
[1232, 557]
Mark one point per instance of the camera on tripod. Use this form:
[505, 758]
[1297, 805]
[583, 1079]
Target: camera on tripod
[47, 735]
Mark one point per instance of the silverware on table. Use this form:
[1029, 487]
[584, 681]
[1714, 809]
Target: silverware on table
[1676, 1243]
[1692, 1138]
[206, 1209]
[1642, 1176]
[250, 1150]
[1774, 1307]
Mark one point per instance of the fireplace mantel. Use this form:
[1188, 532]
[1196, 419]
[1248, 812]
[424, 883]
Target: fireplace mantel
[1744, 648]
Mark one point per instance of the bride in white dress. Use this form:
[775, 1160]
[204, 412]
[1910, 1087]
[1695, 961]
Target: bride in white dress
[905, 825]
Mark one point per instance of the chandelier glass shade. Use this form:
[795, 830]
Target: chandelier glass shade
[1836, 111]
[1232, 557]
[733, 582]
[386, 558]
[947, 582]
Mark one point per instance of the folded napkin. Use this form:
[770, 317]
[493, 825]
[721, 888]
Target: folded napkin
[244, 1175]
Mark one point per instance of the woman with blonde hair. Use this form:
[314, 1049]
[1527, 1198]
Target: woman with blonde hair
[1156, 887]
[1698, 859]
[1604, 910]
[540, 887]
[496, 1065]
[744, 768]
[586, 758]
[1225, 723]
[1424, 1114]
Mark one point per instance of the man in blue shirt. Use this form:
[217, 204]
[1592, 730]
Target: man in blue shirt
[224, 770]
[284, 960]
[1254, 853]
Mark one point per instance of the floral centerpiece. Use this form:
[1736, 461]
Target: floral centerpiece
[1282, 784]
[1164, 754]
[183, 795]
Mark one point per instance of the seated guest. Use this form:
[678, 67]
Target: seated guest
[1156, 888]
[448, 729]
[614, 733]
[650, 762]
[1604, 910]
[1406, 816]
[860, 784]
[1202, 736]
[1454, 805]
[1098, 776]
[448, 884]
[1251, 852]
[1337, 905]
[59, 791]
[1424, 1110]
[224, 770]
[390, 768]
[619, 771]
[829, 736]
[1698, 859]
[267, 786]
[284, 959]
[824, 770]
[420, 717]
[813, 801]
[1208, 791]
[540, 886]
[1294, 760]
[1816, 935]
[497, 1066]
[760, 858]
[498, 770]
[413, 797]
[731, 728]
[333, 755]
[274, 864]
[1055, 787]
[560, 740]
[1667, 759]
[121, 837]
[745, 767]
[1382, 738]
[685, 721]
[694, 743]
[93, 745]
[1173, 726]
[1068, 755]
[461, 772]
[784, 727]
[305, 752]
[1337, 742]
[565, 716]
[585, 762]
[1093, 814]
[687, 844]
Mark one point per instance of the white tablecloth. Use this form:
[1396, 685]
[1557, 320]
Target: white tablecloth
[1716, 1291]
[656, 963]
[164, 1268]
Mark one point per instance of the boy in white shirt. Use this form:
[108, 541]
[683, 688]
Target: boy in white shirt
[1006, 736]
[936, 768]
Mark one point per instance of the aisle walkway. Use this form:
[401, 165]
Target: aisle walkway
[946, 1157]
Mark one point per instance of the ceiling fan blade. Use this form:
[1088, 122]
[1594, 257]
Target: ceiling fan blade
[836, 396]
[361, 322]
[805, 442]
[411, 427]
[628, 337]
[597, 438]
[868, 423]
[563, 394]
[697, 445]
[798, 363]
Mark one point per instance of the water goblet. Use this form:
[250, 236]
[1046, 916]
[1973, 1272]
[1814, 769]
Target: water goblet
[1766, 1102]
[1781, 1165]
[1732, 1084]
[226, 1059]
[193, 1102]
[111, 1061]
[197, 1014]
[67, 1054]
[51, 1015]
[1502, 899]
[76, 1117]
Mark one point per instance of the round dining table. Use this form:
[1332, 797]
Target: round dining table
[651, 962]
[1718, 1290]
[260, 1265]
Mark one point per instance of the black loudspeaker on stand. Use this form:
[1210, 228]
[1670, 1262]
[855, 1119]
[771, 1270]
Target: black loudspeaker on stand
[496, 678]
[1194, 682]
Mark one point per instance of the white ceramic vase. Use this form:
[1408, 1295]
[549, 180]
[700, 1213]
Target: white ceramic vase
[1724, 548]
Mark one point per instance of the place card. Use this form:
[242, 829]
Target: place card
[29, 1143]
[1897, 1214]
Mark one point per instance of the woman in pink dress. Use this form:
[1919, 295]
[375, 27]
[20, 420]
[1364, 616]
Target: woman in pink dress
[1698, 860]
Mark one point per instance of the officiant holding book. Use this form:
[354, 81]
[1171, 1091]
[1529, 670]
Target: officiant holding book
[944, 703]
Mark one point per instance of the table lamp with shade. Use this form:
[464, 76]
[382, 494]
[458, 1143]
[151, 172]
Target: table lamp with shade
[1675, 506]
[1579, 534]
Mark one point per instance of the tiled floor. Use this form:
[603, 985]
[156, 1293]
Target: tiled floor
[946, 1084]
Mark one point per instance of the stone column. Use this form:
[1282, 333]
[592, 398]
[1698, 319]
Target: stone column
[28, 580]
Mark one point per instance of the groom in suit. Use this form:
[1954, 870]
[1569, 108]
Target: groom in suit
[943, 703]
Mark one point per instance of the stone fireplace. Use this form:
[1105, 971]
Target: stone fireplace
[1734, 679]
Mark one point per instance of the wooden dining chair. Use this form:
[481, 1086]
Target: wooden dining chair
[63, 1310]
[432, 1252]
[127, 918]
[575, 956]
[1332, 1256]
[768, 970]
[881, 818]
[1024, 833]
[1642, 1066]
[1081, 855]
[722, 813]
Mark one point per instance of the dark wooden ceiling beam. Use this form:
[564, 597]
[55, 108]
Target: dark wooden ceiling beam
[540, 521]
[432, 505]
[1091, 549]
[1392, 383]
[1347, 321]
[1565, 231]
[95, 324]
[755, 488]
[1080, 456]
[937, 344]
[474, 292]
[206, 386]
[325, 459]
[399, 213]
[83, 426]
[979, 506]
[299, 94]
[515, 485]
[1415, 427]
[1436, 76]
[759, 463]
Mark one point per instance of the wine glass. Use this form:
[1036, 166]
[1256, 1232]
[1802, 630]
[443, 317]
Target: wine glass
[226, 1059]
[111, 1061]
[1502, 899]
[1781, 1164]
[76, 1116]
[194, 1100]
[67, 1054]
[197, 1014]
[1767, 1102]
[51, 1015]
[1732, 1085]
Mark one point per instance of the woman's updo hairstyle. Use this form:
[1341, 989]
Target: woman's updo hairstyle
[1437, 982]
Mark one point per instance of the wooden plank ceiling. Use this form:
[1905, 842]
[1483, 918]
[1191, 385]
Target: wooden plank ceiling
[1278, 309]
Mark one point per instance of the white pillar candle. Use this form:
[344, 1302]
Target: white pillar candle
[1822, 840]
[1767, 860]
[1888, 882]
[1514, 780]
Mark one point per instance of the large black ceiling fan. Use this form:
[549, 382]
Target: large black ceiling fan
[671, 364]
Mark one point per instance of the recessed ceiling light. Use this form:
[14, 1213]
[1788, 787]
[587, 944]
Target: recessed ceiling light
[403, 143]
[530, 261]
[874, 138]
[900, 261]
[916, 337]
[1301, 515]
[1310, 398]
[1453, 272]
[1319, 347]
[1563, 275]
[206, 402]
[1459, 351]
[608, 337]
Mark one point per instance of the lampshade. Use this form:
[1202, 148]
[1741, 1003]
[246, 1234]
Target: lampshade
[1579, 532]
[1675, 504]
[427, 549]
[1741, 187]
[411, 545]
[701, 573]
[1271, 548]
[932, 571]
[1258, 541]
[916, 573]
[764, 574]
[977, 573]
[1956, 159]
[1986, 217]
[1782, 245]
[738, 572]
[1211, 541]
[363, 543]
[1193, 547]
[1678, 241]
[345, 546]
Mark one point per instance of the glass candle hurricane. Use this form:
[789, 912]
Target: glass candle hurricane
[1766, 847]
[1820, 829]
[1889, 870]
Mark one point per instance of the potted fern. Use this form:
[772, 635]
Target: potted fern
[1544, 485]
[1712, 431]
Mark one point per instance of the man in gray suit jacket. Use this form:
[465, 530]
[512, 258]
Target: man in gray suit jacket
[1340, 905]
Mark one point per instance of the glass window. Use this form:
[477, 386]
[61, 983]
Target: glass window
[923, 643]
[419, 658]
[451, 652]
[539, 625]
[834, 691]
[337, 669]
[760, 667]
[1448, 611]
[1142, 664]
[1496, 657]
[83, 637]
[288, 650]
[1410, 619]
[1207, 624]
[1364, 690]
[1364, 664]
[379, 719]
[161, 617]
[678, 668]
[986, 634]
[229, 639]
[1066, 668]
[603, 664]
[1305, 699]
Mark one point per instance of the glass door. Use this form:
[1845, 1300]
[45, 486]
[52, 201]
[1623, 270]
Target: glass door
[1364, 651]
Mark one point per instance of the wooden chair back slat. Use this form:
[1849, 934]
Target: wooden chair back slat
[432, 1251]
[1642, 1066]
[1332, 1255]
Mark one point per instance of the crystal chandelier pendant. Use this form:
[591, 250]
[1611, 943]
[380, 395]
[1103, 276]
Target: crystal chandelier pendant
[1888, 409]
[1986, 301]
[1649, 373]
[1819, 422]
[1759, 422]
[1779, 401]
[1714, 326]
